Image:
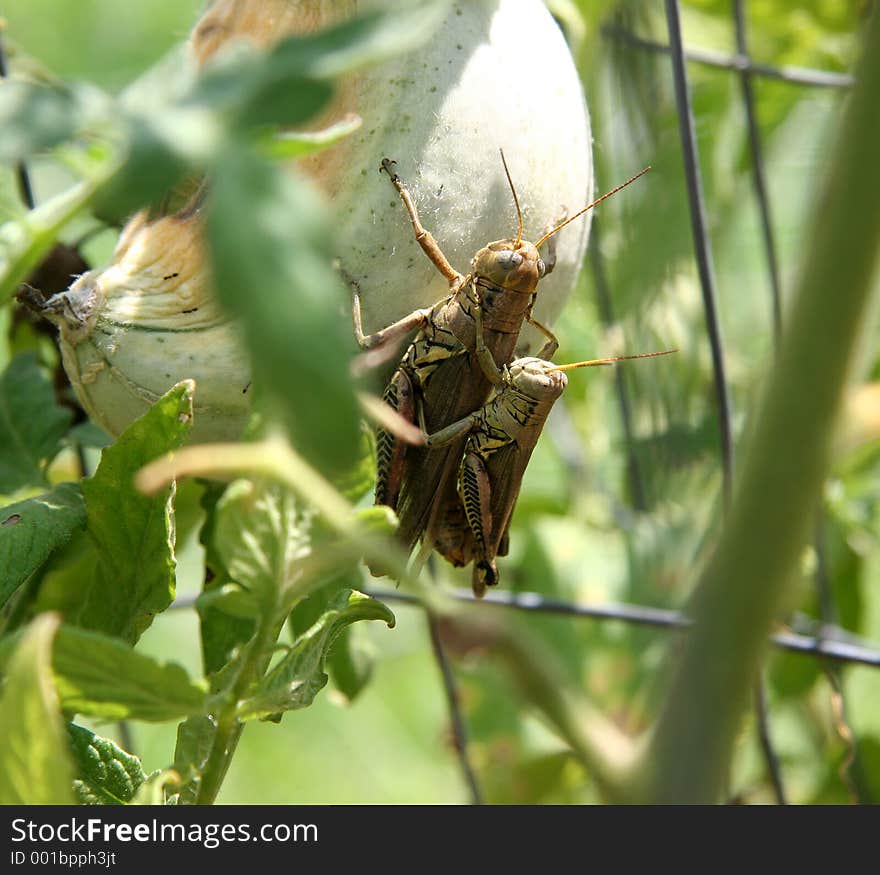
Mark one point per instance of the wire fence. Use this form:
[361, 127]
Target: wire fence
[827, 642]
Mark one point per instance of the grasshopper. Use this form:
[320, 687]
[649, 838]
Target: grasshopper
[499, 439]
[460, 346]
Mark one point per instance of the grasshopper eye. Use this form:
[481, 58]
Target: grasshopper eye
[542, 268]
[508, 260]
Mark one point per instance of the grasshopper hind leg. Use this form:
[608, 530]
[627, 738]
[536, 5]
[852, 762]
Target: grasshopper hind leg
[390, 450]
[475, 490]
[485, 574]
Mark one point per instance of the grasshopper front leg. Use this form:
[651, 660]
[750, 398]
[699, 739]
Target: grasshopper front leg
[484, 355]
[393, 333]
[552, 344]
[423, 237]
[452, 432]
[548, 350]
[381, 345]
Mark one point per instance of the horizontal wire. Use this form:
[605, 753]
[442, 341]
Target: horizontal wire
[738, 62]
[824, 644]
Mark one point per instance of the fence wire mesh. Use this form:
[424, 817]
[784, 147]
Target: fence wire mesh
[826, 640]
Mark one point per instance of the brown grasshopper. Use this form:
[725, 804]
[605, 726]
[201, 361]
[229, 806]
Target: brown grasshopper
[461, 344]
[500, 437]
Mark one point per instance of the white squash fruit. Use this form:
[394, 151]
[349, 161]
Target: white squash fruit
[497, 74]
[129, 332]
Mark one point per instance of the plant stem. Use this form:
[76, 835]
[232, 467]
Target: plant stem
[229, 728]
[751, 578]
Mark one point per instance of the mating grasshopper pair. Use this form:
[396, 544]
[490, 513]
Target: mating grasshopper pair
[459, 499]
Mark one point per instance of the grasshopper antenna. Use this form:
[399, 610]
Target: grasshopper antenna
[596, 202]
[519, 215]
[592, 363]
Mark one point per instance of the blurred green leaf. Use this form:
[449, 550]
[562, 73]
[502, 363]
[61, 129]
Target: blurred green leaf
[297, 678]
[257, 92]
[867, 769]
[350, 663]
[152, 166]
[271, 253]
[105, 773]
[88, 434]
[845, 570]
[104, 677]
[220, 632]
[360, 479]
[34, 118]
[31, 530]
[369, 39]
[250, 89]
[35, 767]
[32, 425]
[287, 145]
[791, 675]
[134, 533]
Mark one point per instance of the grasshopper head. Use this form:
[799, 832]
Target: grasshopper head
[510, 264]
[537, 379]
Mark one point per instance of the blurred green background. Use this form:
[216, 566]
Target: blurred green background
[581, 533]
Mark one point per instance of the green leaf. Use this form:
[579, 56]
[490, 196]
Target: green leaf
[271, 253]
[104, 677]
[105, 774]
[282, 87]
[195, 738]
[288, 145]
[32, 424]
[220, 633]
[35, 767]
[261, 536]
[360, 479]
[134, 533]
[64, 581]
[31, 530]
[88, 434]
[152, 167]
[350, 662]
[230, 599]
[359, 42]
[251, 89]
[298, 677]
[34, 118]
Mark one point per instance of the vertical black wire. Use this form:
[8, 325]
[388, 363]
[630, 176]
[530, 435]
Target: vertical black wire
[702, 250]
[21, 172]
[606, 315]
[771, 759]
[703, 255]
[759, 178]
[459, 729]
